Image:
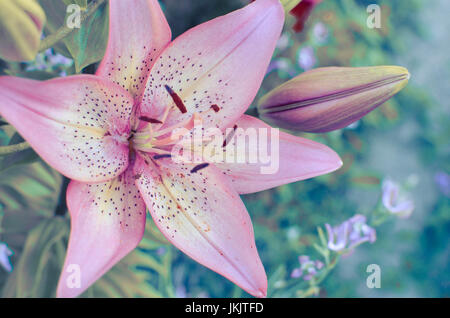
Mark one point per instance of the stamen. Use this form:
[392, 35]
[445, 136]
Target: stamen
[215, 107]
[156, 157]
[150, 120]
[166, 113]
[172, 128]
[230, 136]
[177, 100]
[199, 167]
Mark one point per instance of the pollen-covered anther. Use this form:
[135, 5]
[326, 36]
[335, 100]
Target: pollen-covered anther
[229, 136]
[150, 120]
[215, 107]
[156, 157]
[199, 167]
[176, 99]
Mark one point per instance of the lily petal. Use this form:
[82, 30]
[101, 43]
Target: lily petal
[107, 222]
[221, 62]
[78, 124]
[299, 159]
[202, 215]
[138, 31]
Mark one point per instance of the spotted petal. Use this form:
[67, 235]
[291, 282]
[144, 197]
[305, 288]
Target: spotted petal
[202, 215]
[107, 222]
[282, 159]
[78, 124]
[221, 62]
[138, 31]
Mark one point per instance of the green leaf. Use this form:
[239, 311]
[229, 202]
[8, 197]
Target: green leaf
[323, 240]
[37, 75]
[28, 195]
[81, 3]
[85, 45]
[18, 158]
[56, 15]
[289, 4]
[34, 275]
[88, 44]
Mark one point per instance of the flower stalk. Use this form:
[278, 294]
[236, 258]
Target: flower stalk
[10, 149]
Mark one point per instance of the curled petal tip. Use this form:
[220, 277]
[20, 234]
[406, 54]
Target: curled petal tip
[261, 293]
[330, 98]
[339, 163]
[335, 162]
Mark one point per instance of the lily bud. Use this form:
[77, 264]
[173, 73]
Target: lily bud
[21, 23]
[330, 98]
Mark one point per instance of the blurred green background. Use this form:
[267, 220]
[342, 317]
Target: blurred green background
[406, 139]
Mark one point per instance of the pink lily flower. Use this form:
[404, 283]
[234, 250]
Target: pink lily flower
[90, 128]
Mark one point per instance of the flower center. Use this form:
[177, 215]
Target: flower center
[156, 139]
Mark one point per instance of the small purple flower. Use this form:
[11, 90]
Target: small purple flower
[306, 58]
[5, 253]
[48, 60]
[161, 251]
[58, 59]
[442, 180]
[307, 269]
[351, 233]
[395, 201]
[180, 292]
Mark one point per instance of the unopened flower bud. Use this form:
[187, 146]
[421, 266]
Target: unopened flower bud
[330, 98]
[21, 23]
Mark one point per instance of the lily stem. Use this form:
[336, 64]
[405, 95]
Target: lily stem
[64, 31]
[7, 150]
[61, 208]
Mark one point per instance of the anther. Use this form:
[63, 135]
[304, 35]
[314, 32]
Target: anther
[230, 136]
[156, 157]
[199, 167]
[150, 120]
[215, 107]
[177, 100]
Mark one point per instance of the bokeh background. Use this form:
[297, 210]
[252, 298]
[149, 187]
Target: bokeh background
[406, 140]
